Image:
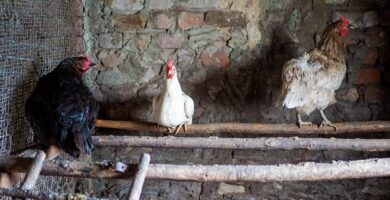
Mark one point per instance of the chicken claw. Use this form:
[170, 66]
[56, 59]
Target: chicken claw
[169, 130]
[178, 129]
[325, 121]
[302, 123]
[328, 123]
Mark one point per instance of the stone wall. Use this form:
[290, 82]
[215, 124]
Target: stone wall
[229, 55]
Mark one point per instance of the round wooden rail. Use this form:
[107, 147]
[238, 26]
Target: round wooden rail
[307, 171]
[252, 128]
[263, 143]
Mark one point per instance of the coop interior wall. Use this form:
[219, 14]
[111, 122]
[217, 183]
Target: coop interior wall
[229, 55]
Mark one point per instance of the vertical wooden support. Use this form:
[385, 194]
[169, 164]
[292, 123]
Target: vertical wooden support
[32, 176]
[136, 187]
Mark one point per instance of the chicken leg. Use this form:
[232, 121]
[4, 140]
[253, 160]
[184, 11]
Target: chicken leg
[325, 121]
[300, 122]
[52, 152]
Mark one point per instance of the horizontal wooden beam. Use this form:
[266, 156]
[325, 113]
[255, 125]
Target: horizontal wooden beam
[27, 194]
[279, 143]
[307, 171]
[253, 128]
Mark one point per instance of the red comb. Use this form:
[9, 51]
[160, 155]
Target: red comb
[344, 19]
[170, 62]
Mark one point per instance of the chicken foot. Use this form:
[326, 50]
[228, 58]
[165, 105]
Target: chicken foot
[325, 121]
[302, 123]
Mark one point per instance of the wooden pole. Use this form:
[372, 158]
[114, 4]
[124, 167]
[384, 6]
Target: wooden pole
[29, 194]
[33, 174]
[23, 194]
[136, 188]
[253, 128]
[307, 171]
[279, 143]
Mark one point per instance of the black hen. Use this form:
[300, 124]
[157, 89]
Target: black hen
[62, 110]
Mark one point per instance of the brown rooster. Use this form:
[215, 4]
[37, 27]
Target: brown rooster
[309, 82]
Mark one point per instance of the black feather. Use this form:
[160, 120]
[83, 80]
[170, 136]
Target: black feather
[62, 110]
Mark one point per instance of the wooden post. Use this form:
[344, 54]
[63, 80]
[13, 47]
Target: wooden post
[253, 128]
[279, 143]
[136, 188]
[33, 174]
[307, 171]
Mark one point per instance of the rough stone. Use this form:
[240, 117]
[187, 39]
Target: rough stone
[111, 58]
[355, 18]
[370, 19]
[185, 56]
[348, 94]
[216, 57]
[127, 6]
[336, 2]
[170, 41]
[371, 58]
[373, 94]
[189, 20]
[221, 34]
[225, 188]
[160, 4]
[375, 37]
[96, 25]
[201, 5]
[129, 22]
[110, 40]
[385, 56]
[385, 18]
[112, 77]
[354, 37]
[225, 18]
[368, 75]
[357, 113]
[163, 21]
[143, 42]
[238, 40]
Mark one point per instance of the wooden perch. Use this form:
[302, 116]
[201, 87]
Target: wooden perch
[253, 128]
[279, 143]
[136, 188]
[33, 174]
[307, 171]
[18, 193]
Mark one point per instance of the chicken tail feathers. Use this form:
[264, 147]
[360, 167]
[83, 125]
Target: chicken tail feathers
[82, 140]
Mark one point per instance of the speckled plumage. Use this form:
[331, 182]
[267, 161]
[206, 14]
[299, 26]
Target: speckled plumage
[309, 82]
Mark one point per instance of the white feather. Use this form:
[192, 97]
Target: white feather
[172, 107]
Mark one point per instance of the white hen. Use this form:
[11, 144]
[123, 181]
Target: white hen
[172, 107]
